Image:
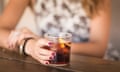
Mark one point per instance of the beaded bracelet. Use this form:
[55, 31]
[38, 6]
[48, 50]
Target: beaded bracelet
[23, 45]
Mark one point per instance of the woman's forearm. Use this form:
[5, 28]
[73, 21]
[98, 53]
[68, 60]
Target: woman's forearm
[89, 48]
[4, 33]
[9, 19]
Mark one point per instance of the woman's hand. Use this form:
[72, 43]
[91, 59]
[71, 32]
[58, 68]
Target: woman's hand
[40, 50]
[35, 47]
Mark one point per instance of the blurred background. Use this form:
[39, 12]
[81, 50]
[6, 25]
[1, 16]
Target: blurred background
[27, 20]
[115, 25]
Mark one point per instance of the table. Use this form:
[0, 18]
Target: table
[13, 62]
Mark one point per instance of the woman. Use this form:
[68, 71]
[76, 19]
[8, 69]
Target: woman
[90, 18]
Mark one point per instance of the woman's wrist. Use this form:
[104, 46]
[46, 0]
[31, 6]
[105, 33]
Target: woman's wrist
[22, 46]
[29, 46]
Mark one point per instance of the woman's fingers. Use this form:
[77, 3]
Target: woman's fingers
[42, 42]
[42, 54]
[46, 52]
[12, 40]
[43, 57]
[44, 62]
[44, 47]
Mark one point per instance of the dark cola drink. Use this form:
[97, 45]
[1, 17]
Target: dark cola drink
[61, 45]
[62, 54]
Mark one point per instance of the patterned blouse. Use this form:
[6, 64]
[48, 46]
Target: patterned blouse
[54, 16]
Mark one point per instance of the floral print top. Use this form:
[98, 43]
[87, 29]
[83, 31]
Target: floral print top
[54, 16]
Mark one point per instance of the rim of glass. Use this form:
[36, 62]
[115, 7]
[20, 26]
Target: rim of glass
[60, 35]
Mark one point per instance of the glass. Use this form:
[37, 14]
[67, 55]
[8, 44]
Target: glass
[61, 45]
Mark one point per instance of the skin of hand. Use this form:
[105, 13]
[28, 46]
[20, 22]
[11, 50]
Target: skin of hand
[16, 36]
[34, 47]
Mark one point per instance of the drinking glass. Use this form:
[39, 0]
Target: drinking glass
[61, 46]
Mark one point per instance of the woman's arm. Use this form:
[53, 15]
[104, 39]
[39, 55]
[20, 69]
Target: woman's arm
[9, 19]
[99, 34]
[9, 39]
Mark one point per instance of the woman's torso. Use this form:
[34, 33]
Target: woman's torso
[54, 16]
[62, 16]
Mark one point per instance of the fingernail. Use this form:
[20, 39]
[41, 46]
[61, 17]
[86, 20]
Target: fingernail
[53, 54]
[51, 57]
[47, 62]
[50, 43]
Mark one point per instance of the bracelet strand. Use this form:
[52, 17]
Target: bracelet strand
[23, 46]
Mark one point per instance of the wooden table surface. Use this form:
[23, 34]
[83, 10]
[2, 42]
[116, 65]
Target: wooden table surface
[12, 62]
